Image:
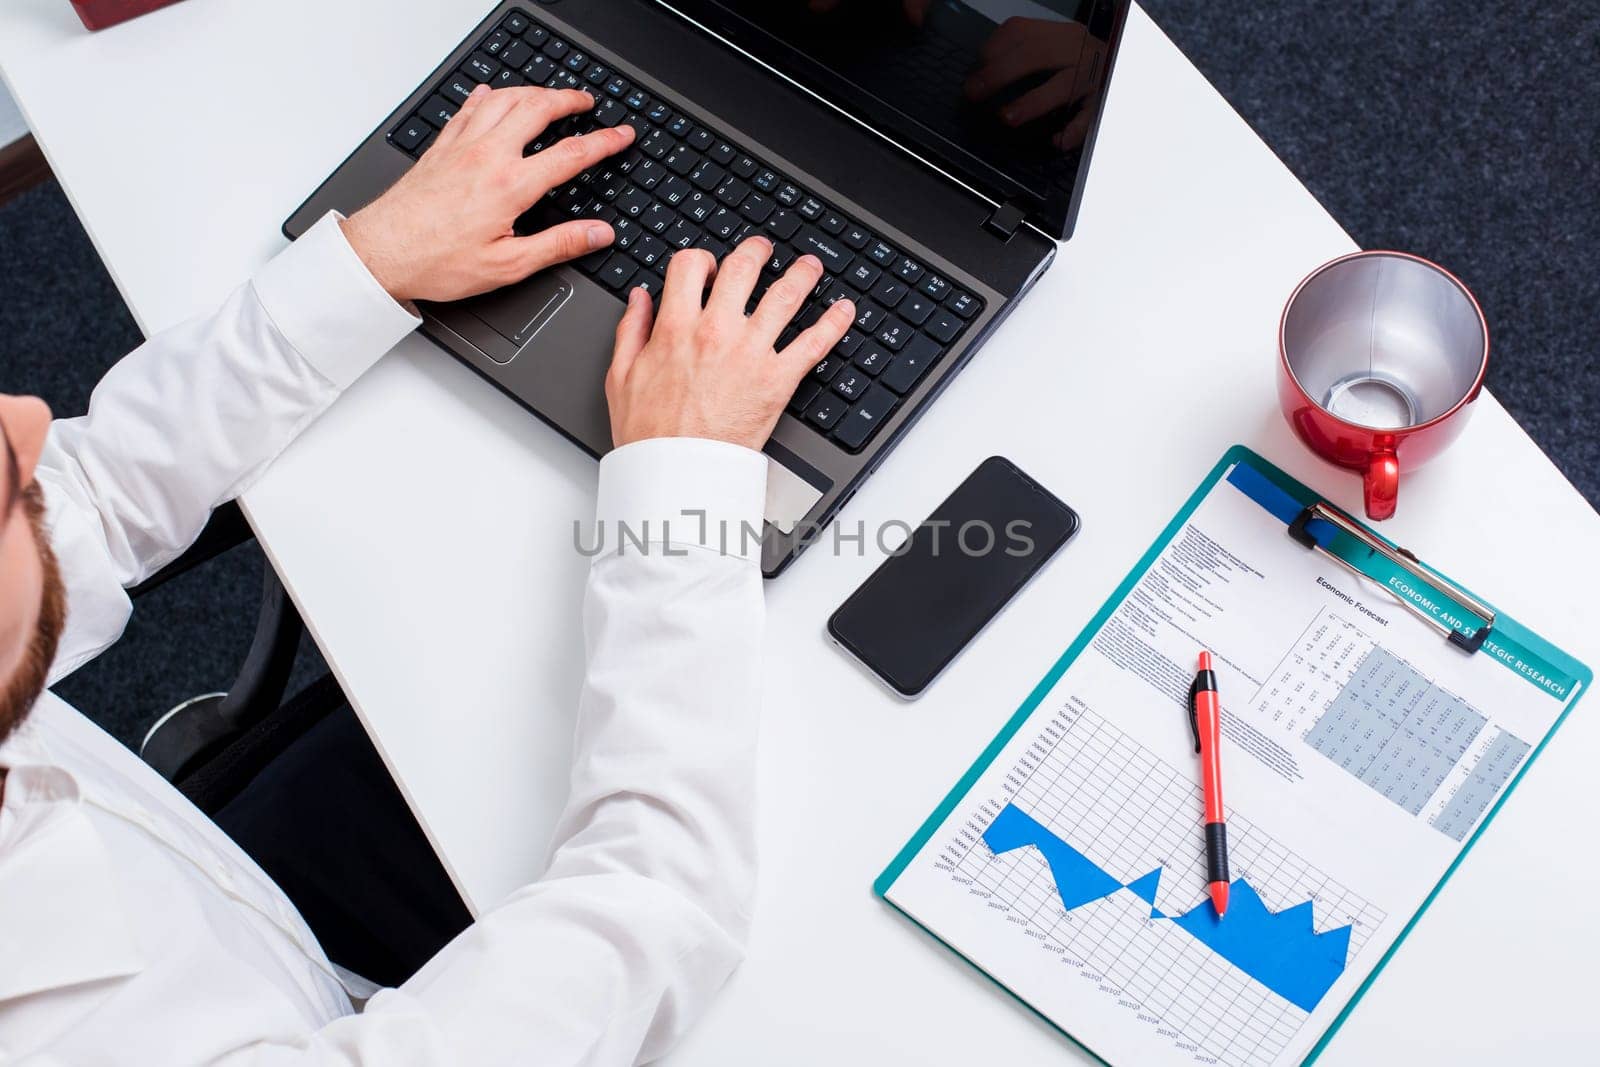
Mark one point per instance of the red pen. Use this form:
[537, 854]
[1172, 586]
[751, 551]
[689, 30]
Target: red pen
[1205, 718]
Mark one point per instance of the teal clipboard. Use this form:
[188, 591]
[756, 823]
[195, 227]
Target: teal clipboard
[1355, 545]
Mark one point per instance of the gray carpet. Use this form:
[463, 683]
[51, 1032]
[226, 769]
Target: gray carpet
[1458, 131]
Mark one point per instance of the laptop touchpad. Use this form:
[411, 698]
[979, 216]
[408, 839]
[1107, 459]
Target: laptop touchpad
[518, 312]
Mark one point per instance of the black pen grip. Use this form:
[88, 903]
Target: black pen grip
[1217, 852]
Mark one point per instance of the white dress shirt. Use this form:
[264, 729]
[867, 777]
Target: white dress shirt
[133, 931]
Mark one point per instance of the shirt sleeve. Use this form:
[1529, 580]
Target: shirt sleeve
[187, 420]
[645, 907]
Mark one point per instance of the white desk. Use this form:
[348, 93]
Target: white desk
[425, 528]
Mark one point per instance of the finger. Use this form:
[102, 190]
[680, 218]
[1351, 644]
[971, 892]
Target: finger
[1073, 134]
[452, 129]
[737, 276]
[571, 156]
[1053, 94]
[688, 271]
[558, 244]
[632, 333]
[816, 341]
[784, 297]
[531, 110]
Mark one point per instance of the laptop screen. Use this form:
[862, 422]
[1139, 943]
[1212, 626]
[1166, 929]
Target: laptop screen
[1003, 94]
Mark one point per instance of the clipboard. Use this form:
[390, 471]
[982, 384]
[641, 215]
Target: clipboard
[1470, 626]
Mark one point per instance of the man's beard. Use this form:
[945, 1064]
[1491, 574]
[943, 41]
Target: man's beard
[19, 692]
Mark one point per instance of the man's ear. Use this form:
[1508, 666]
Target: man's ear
[26, 420]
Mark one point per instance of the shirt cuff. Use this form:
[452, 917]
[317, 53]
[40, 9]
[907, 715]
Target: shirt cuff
[680, 493]
[329, 306]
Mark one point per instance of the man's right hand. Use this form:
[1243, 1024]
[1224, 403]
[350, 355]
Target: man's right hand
[707, 369]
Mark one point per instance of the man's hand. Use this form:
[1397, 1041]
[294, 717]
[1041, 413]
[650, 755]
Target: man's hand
[443, 231]
[712, 371]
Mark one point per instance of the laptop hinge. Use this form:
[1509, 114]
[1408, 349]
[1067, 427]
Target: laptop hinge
[1005, 220]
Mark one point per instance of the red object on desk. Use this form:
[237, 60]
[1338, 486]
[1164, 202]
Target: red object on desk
[98, 14]
[1205, 716]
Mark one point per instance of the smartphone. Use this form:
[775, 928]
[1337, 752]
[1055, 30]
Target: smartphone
[914, 614]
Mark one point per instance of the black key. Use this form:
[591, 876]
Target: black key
[743, 167]
[872, 358]
[908, 270]
[756, 208]
[480, 66]
[576, 61]
[826, 410]
[633, 203]
[458, 88]
[536, 35]
[881, 254]
[915, 309]
[648, 173]
[649, 281]
[835, 293]
[657, 218]
[627, 231]
[515, 24]
[864, 418]
[637, 100]
[848, 344]
[863, 275]
[766, 181]
[564, 79]
[869, 316]
[496, 43]
[804, 395]
[609, 183]
[783, 224]
[723, 224]
[701, 139]
[683, 160]
[681, 234]
[893, 334]
[910, 365]
[829, 366]
[706, 174]
[963, 304]
[782, 256]
[555, 48]
[659, 113]
[656, 145]
[597, 75]
[732, 191]
[641, 125]
[538, 70]
[680, 126]
[831, 223]
[674, 190]
[711, 244]
[835, 257]
[850, 383]
[506, 79]
[516, 53]
[944, 325]
[811, 209]
[723, 154]
[934, 286]
[592, 262]
[889, 292]
[609, 113]
[412, 133]
[438, 110]
[699, 206]
[855, 237]
[788, 195]
[616, 271]
[648, 249]
[618, 87]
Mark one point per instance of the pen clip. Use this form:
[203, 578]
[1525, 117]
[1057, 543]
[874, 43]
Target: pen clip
[1194, 713]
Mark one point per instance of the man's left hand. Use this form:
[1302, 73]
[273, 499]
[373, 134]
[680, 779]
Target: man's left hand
[443, 231]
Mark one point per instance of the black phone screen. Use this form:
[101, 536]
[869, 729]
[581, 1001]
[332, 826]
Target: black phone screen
[922, 606]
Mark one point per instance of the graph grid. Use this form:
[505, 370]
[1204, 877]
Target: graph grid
[1130, 812]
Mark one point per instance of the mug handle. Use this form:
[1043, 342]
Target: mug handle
[1381, 485]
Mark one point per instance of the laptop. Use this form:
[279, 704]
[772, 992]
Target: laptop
[929, 152]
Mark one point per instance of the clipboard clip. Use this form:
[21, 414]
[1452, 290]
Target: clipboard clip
[1406, 561]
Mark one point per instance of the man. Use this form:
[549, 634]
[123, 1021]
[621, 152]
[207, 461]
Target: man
[131, 929]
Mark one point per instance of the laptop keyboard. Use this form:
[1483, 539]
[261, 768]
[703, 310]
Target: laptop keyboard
[683, 185]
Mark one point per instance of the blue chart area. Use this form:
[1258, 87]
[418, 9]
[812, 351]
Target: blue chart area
[1092, 856]
[1280, 950]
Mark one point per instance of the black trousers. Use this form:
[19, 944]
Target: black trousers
[324, 819]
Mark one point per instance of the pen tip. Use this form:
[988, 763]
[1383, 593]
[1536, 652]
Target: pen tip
[1219, 898]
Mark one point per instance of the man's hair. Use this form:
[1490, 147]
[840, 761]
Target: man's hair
[18, 693]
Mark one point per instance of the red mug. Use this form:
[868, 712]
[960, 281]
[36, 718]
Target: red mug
[1380, 356]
